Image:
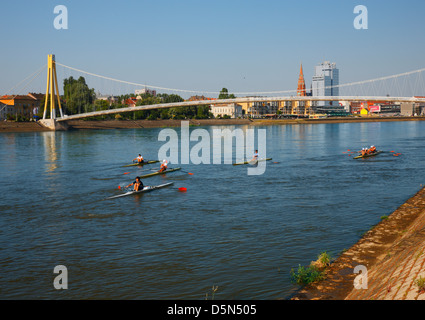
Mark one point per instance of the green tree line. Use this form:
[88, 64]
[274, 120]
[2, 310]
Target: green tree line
[79, 98]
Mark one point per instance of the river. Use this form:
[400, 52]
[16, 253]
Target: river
[238, 232]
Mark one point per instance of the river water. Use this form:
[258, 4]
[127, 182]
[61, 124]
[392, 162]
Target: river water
[242, 233]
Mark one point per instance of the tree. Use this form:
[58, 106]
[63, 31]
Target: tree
[224, 94]
[77, 94]
[203, 112]
[170, 98]
[101, 105]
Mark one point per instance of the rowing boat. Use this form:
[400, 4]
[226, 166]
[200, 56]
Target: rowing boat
[158, 173]
[141, 163]
[145, 189]
[251, 162]
[368, 155]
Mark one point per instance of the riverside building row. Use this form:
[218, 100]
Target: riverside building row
[305, 109]
[325, 83]
[20, 106]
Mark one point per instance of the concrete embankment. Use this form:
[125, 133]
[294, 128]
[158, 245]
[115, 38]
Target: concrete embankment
[10, 126]
[393, 253]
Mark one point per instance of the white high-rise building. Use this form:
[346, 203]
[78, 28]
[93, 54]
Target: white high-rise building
[325, 78]
[145, 91]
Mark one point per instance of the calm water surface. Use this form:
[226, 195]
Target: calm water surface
[238, 232]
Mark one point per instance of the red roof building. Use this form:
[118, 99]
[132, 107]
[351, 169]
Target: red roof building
[200, 98]
[131, 102]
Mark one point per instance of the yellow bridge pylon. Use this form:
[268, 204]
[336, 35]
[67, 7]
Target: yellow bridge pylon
[52, 89]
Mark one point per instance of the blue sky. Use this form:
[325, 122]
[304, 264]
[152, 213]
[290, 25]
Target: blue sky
[206, 45]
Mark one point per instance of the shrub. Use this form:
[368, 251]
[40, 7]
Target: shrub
[307, 275]
[152, 117]
[420, 283]
[324, 259]
[316, 271]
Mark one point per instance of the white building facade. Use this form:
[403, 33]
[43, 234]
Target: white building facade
[325, 78]
[145, 91]
[232, 110]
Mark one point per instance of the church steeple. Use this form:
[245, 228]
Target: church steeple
[301, 83]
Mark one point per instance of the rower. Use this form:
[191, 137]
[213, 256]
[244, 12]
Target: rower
[138, 184]
[164, 165]
[255, 157]
[139, 159]
[372, 149]
[363, 151]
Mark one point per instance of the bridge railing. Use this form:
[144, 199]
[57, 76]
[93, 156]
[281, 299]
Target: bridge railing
[238, 100]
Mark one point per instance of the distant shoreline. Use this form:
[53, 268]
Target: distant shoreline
[8, 126]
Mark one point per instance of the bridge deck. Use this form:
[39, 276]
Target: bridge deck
[237, 100]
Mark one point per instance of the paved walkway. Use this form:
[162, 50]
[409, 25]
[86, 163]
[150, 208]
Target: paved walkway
[393, 253]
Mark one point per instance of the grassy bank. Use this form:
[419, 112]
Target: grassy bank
[393, 252]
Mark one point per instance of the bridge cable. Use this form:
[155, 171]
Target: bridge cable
[35, 75]
[241, 93]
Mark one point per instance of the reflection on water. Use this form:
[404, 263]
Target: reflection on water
[50, 150]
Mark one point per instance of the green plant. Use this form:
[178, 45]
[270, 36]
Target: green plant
[151, 117]
[307, 275]
[324, 259]
[420, 283]
[213, 291]
[384, 217]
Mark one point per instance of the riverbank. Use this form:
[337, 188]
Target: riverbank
[7, 126]
[393, 253]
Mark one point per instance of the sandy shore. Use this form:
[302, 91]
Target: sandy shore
[10, 126]
[6, 126]
[393, 253]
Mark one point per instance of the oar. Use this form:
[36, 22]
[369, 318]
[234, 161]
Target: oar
[187, 172]
[349, 151]
[182, 189]
[142, 170]
[153, 169]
